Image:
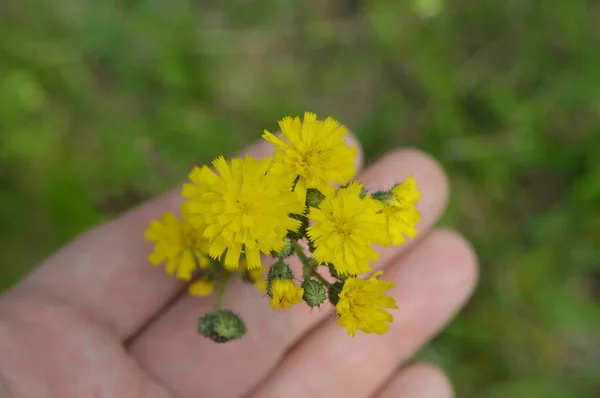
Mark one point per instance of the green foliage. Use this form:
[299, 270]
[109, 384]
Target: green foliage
[105, 104]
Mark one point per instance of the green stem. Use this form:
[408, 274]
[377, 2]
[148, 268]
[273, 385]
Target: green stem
[321, 279]
[308, 269]
[221, 291]
[301, 255]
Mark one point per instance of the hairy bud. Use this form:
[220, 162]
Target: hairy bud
[221, 326]
[287, 249]
[386, 197]
[314, 293]
[279, 270]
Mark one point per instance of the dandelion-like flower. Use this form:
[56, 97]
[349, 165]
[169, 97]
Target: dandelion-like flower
[243, 208]
[401, 213]
[314, 151]
[345, 227]
[362, 305]
[285, 294]
[177, 244]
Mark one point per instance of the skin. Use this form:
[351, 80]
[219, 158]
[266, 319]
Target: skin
[96, 320]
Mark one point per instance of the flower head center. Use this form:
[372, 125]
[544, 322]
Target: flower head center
[284, 302]
[246, 207]
[344, 227]
[309, 159]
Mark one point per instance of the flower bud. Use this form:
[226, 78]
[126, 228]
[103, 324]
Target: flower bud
[386, 197]
[334, 292]
[279, 270]
[287, 249]
[314, 293]
[314, 197]
[221, 326]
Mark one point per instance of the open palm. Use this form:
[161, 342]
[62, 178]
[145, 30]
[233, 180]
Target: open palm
[95, 320]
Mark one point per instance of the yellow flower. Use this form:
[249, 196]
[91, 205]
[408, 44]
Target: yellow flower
[313, 150]
[361, 305]
[401, 213]
[242, 209]
[345, 227]
[202, 287]
[176, 244]
[285, 294]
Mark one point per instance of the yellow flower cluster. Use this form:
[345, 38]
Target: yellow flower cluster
[242, 210]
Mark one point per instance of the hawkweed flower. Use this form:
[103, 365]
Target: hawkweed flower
[243, 208]
[285, 294]
[345, 227]
[400, 211]
[361, 305]
[178, 245]
[313, 151]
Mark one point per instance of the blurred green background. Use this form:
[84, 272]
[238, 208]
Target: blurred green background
[106, 103]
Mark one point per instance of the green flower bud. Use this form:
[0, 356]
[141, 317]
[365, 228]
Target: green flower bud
[221, 326]
[334, 292]
[314, 197]
[384, 196]
[279, 270]
[287, 249]
[314, 293]
[301, 232]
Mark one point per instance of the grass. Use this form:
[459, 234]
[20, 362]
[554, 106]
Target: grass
[104, 104]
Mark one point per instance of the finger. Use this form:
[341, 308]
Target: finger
[432, 283]
[419, 381]
[105, 272]
[171, 349]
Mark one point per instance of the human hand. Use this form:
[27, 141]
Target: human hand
[95, 320]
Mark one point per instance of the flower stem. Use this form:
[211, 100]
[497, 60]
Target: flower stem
[321, 279]
[221, 291]
[308, 268]
[301, 255]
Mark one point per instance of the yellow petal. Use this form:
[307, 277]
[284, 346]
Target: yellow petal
[201, 287]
